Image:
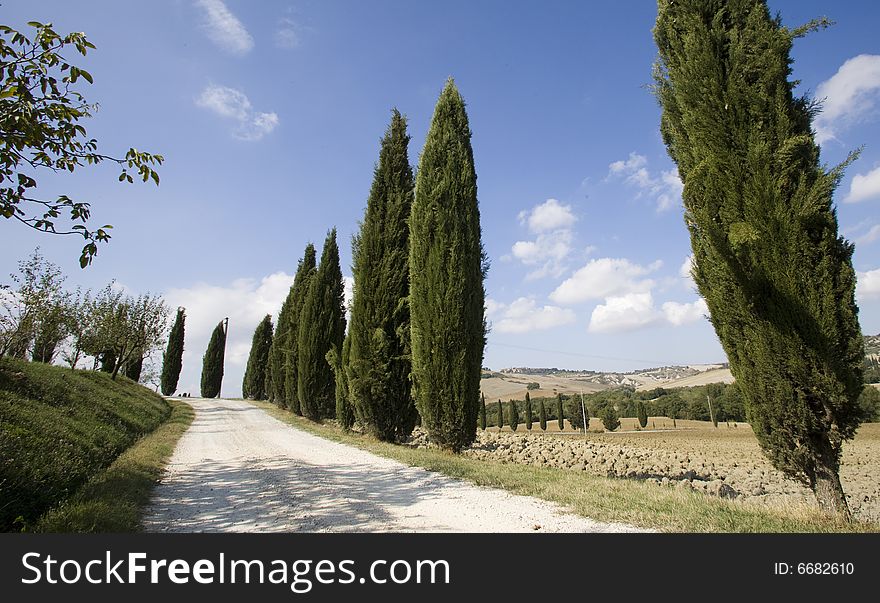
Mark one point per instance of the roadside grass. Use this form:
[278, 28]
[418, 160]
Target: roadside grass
[113, 500]
[632, 502]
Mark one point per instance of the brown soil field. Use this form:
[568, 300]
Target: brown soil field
[513, 386]
[726, 461]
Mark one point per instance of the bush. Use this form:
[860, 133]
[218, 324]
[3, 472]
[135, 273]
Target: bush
[533, 385]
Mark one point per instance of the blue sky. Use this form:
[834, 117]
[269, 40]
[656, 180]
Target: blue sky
[269, 115]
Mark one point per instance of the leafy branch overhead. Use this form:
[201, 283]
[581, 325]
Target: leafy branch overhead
[40, 114]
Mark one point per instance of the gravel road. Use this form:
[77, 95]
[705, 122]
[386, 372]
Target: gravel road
[238, 469]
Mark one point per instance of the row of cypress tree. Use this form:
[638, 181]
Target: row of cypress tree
[414, 348]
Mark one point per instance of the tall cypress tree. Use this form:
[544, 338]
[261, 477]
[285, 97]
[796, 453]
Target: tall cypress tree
[513, 416]
[172, 359]
[776, 276]
[282, 352]
[447, 268]
[500, 411]
[321, 326]
[212, 361]
[379, 367]
[528, 411]
[560, 414]
[482, 412]
[254, 383]
[301, 283]
[542, 414]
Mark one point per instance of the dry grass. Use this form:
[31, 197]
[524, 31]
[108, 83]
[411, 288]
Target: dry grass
[627, 501]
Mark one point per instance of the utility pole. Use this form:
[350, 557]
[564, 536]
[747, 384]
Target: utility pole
[584, 414]
[711, 412]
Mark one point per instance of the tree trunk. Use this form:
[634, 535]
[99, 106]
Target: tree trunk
[827, 487]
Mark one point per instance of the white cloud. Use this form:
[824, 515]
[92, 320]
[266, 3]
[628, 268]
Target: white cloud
[864, 186]
[869, 237]
[603, 278]
[493, 307]
[287, 34]
[245, 302]
[551, 223]
[682, 314]
[524, 315]
[624, 313]
[550, 215]
[224, 28]
[848, 96]
[233, 104]
[348, 295]
[685, 273]
[665, 188]
[868, 286]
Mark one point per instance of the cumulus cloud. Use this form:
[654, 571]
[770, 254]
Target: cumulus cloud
[234, 105]
[603, 278]
[864, 187]
[551, 223]
[848, 96]
[524, 315]
[682, 314]
[245, 301]
[223, 28]
[624, 313]
[868, 287]
[665, 188]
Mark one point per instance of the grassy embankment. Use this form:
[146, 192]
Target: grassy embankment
[80, 452]
[604, 499]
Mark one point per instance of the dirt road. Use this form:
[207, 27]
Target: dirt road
[239, 470]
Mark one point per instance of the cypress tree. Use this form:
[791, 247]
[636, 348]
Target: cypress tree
[609, 418]
[482, 412]
[254, 384]
[500, 412]
[379, 368]
[321, 326]
[528, 411]
[282, 353]
[560, 415]
[542, 414]
[513, 417]
[291, 345]
[447, 268]
[642, 413]
[172, 359]
[776, 276]
[338, 363]
[212, 361]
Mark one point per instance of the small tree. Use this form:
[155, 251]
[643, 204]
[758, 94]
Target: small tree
[483, 412]
[172, 359]
[528, 411]
[212, 362]
[642, 413]
[345, 415]
[254, 383]
[542, 414]
[500, 416]
[560, 415]
[514, 416]
[609, 416]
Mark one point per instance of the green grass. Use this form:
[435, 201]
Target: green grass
[59, 428]
[627, 501]
[113, 501]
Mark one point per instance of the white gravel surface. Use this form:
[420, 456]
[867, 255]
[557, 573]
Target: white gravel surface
[238, 469]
